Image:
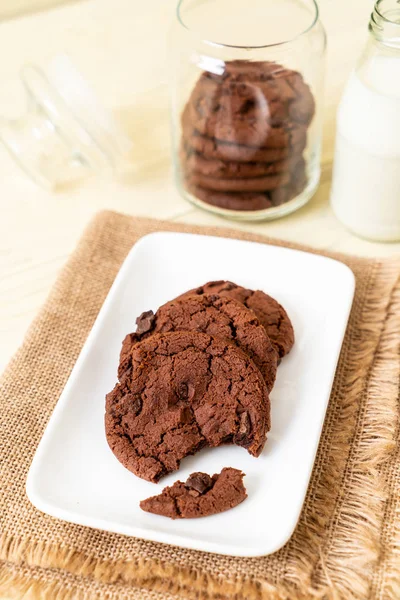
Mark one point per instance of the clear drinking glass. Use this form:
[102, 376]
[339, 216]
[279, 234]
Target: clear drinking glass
[246, 83]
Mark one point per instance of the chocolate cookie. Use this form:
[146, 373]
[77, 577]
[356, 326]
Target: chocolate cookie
[211, 90]
[279, 82]
[195, 162]
[200, 496]
[255, 184]
[243, 131]
[238, 201]
[266, 92]
[185, 390]
[252, 121]
[212, 148]
[268, 311]
[243, 104]
[224, 318]
[227, 123]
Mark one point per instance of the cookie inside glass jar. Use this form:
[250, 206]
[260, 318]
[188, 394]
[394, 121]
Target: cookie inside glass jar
[244, 136]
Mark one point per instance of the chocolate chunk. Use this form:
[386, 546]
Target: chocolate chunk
[201, 482]
[227, 286]
[136, 406]
[145, 322]
[244, 426]
[186, 415]
[186, 390]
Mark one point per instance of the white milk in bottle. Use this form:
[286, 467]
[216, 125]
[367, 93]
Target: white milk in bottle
[366, 177]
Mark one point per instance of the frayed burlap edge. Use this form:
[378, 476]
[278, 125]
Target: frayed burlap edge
[367, 426]
[155, 577]
[20, 587]
[386, 581]
[354, 551]
[358, 516]
[29, 583]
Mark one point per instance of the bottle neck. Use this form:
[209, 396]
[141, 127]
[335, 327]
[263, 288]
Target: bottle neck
[385, 23]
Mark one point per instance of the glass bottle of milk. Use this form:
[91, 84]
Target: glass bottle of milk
[366, 177]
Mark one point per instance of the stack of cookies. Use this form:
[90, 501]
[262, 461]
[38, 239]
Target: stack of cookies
[244, 134]
[197, 373]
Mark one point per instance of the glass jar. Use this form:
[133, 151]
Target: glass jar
[65, 134]
[246, 99]
[366, 175]
[69, 114]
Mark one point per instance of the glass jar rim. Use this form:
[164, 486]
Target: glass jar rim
[384, 29]
[314, 21]
[377, 9]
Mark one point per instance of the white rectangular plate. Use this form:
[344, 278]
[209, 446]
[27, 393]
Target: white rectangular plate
[74, 475]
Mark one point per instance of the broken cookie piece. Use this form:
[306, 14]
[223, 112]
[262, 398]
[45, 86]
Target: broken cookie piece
[200, 496]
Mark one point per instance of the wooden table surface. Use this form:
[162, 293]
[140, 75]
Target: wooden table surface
[119, 46]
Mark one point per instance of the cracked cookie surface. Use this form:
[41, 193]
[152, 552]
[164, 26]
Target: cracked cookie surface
[184, 391]
[222, 317]
[200, 496]
[268, 311]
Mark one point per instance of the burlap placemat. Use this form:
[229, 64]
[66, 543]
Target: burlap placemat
[347, 543]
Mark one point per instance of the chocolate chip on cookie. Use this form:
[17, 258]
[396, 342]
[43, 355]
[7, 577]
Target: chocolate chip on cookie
[145, 322]
[199, 482]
